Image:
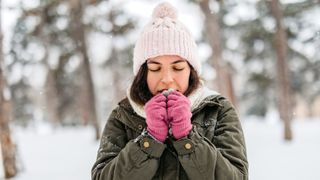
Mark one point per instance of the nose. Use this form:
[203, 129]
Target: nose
[167, 77]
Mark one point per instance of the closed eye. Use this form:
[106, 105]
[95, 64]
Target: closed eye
[154, 70]
[178, 69]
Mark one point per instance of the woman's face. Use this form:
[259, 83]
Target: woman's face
[168, 71]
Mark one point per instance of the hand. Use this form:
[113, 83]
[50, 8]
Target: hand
[156, 113]
[179, 114]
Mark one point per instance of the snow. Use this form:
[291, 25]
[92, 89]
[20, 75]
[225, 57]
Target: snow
[8, 10]
[270, 157]
[291, 1]
[51, 154]
[100, 47]
[69, 153]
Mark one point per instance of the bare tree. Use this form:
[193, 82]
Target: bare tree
[87, 102]
[52, 97]
[280, 45]
[7, 146]
[224, 78]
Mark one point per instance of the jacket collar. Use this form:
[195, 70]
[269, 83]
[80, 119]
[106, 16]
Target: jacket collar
[198, 99]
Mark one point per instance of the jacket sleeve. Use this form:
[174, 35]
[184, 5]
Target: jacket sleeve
[221, 158]
[119, 158]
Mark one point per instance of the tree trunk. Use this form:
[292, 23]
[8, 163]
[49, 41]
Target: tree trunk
[87, 102]
[7, 147]
[51, 91]
[52, 98]
[223, 78]
[230, 88]
[119, 93]
[280, 45]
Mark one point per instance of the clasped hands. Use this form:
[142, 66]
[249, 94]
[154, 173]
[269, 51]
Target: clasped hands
[165, 110]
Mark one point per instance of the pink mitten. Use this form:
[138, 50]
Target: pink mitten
[179, 114]
[156, 114]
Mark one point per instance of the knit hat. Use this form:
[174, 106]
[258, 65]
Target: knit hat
[165, 35]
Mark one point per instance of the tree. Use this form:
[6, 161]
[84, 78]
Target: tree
[254, 34]
[62, 35]
[280, 45]
[87, 102]
[6, 143]
[61, 86]
[212, 28]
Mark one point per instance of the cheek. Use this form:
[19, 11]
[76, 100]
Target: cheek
[151, 81]
[183, 82]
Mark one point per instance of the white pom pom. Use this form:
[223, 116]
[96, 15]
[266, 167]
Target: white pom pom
[165, 10]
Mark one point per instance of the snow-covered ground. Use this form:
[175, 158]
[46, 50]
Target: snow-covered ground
[60, 154]
[271, 158]
[68, 153]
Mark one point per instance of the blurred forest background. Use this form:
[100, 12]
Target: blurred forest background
[68, 62]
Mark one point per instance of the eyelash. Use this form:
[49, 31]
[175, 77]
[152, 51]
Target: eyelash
[176, 69]
[154, 70]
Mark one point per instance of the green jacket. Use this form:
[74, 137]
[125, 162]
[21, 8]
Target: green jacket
[214, 149]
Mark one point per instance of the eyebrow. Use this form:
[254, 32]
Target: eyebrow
[175, 62]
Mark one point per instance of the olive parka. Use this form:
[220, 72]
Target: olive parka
[214, 149]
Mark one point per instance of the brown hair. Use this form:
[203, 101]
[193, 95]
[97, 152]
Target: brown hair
[140, 93]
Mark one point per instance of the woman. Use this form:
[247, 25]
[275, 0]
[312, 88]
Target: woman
[170, 126]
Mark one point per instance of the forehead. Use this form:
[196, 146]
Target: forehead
[166, 59]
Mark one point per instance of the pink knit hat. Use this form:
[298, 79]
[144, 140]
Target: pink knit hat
[165, 35]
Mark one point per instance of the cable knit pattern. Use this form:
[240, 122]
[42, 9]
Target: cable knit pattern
[165, 35]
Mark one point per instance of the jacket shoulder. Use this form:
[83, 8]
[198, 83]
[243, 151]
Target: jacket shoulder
[129, 117]
[218, 100]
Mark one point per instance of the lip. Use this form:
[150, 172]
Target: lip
[161, 91]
